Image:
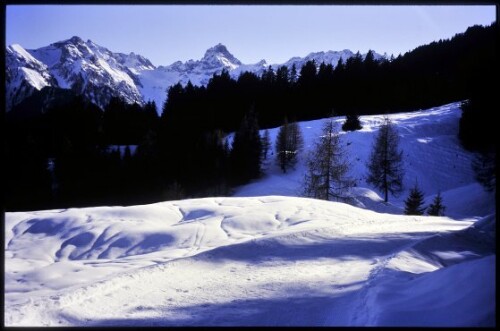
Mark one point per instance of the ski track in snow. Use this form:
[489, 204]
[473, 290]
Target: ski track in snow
[263, 258]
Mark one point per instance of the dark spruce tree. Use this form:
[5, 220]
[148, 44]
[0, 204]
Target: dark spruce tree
[246, 150]
[415, 201]
[266, 144]
[436, 208]
[289, 143]
[293, 74]
[352, 123]
[385, 165]
[484, 166]
[477, 132]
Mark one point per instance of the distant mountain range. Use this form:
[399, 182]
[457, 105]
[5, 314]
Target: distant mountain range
[99, 74]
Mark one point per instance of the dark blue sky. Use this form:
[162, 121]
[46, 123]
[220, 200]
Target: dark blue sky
[165, 34]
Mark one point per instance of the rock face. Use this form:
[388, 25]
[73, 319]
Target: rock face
[99, 74]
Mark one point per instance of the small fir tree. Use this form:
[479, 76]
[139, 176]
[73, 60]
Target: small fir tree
[352, 123]
[436, 208]
[415, 201]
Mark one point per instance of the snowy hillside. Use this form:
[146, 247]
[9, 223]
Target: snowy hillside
[268, 259]
[432, 155]
[98, 73]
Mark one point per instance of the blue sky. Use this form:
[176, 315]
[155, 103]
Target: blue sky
[168, 33]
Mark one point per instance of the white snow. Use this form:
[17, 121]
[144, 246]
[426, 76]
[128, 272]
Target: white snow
[22, 53]
[116, 75]
[34, 78]
[268, 259]
[439, 164]
[23, 74]
[155, 84]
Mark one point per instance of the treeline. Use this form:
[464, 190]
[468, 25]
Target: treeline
[61, 155]
[438, 73]
[70, 153]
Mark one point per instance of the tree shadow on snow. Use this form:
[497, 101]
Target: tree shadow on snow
[343, 249]
[299, 310]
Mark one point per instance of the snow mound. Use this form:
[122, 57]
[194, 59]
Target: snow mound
[269, 260]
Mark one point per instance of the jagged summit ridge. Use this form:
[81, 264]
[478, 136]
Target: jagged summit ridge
[92, 70]
[99, 74]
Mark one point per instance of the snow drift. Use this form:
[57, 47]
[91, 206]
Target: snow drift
[241, 261]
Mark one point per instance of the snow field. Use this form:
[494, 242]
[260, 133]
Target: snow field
[157, 263]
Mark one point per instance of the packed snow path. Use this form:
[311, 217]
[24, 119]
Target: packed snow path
[231, 261]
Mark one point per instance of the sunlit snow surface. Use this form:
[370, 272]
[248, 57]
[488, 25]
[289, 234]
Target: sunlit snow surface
[438, 164]
[270, 259]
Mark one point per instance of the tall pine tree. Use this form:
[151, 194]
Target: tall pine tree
[266, 144]
[246, 150]
[327, 175]
[385, 166]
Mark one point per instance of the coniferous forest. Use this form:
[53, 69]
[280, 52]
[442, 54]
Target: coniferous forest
[59, 147]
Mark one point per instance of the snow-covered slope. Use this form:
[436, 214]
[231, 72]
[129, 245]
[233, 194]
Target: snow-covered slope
[269, 259]
[23, 74]
[99, 73]
[432, 155]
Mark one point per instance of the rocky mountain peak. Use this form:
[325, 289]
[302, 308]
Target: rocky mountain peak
[219, 54]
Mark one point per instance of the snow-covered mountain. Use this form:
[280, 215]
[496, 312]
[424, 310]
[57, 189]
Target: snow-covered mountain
[98, 73]
[266, 257]
[23, 75]
[92, 70]
[332, 57]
